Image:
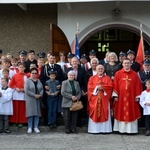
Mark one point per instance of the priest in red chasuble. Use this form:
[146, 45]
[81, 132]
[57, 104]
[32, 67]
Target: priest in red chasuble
[127, 88]
[100, 89]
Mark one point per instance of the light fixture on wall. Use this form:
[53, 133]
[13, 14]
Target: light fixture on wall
[116, 13]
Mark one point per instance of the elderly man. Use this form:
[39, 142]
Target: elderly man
[99, 94]
[127, 88]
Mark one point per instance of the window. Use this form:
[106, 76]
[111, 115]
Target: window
[103, 47]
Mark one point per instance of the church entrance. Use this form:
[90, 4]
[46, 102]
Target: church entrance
[112, 39]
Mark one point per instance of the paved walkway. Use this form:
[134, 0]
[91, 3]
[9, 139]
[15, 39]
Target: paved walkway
[57, 139]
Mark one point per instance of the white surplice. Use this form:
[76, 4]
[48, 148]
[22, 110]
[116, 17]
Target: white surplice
[126, 127]
[100, 127]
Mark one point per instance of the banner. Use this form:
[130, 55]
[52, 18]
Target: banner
[75, 47]
[140, 52]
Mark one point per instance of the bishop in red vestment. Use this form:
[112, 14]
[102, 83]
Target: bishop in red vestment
[127, 88]
[17, 83]
[99, 94]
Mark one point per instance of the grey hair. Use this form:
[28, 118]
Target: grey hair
[95, 60]
[71, 72]
[113, 54]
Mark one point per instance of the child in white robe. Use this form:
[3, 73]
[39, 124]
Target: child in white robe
[145, 103]
[6, 107]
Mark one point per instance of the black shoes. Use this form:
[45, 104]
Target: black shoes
[52, 125]
[73, 131]
[68, 131]
[147, 133]
[1, 131]
[5, 131]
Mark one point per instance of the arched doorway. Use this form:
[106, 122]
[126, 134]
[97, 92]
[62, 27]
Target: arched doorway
[115, 36]
[112, 39]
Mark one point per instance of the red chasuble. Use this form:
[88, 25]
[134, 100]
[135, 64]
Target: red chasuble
[98, 104]
[19, 110]
[127, 86]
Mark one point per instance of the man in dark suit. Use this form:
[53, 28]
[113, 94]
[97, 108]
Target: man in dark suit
[81, 77]
[80, 73]
[135, 65]
[47, 67]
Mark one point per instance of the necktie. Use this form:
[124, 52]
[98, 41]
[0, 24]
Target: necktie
[52, 65]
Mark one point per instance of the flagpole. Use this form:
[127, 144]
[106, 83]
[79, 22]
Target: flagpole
[141, 28]
[140, 51]
[77, 31]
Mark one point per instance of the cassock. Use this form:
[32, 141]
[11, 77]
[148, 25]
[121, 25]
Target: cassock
[99, 104]
[19, 111]
[127, 88]
[15, 69]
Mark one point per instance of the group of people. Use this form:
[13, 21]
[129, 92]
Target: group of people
[114, 93]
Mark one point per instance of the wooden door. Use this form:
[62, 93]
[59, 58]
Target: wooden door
[58, 41]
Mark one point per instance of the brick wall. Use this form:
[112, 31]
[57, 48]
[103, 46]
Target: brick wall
[28, 30]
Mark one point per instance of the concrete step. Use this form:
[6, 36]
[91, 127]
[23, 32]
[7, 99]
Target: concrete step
[59, 129]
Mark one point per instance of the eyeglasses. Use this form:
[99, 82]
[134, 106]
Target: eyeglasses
[33, 73]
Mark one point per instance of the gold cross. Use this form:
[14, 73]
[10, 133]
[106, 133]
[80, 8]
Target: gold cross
[127, 81]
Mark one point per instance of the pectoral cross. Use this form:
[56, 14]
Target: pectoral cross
[127, 81]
